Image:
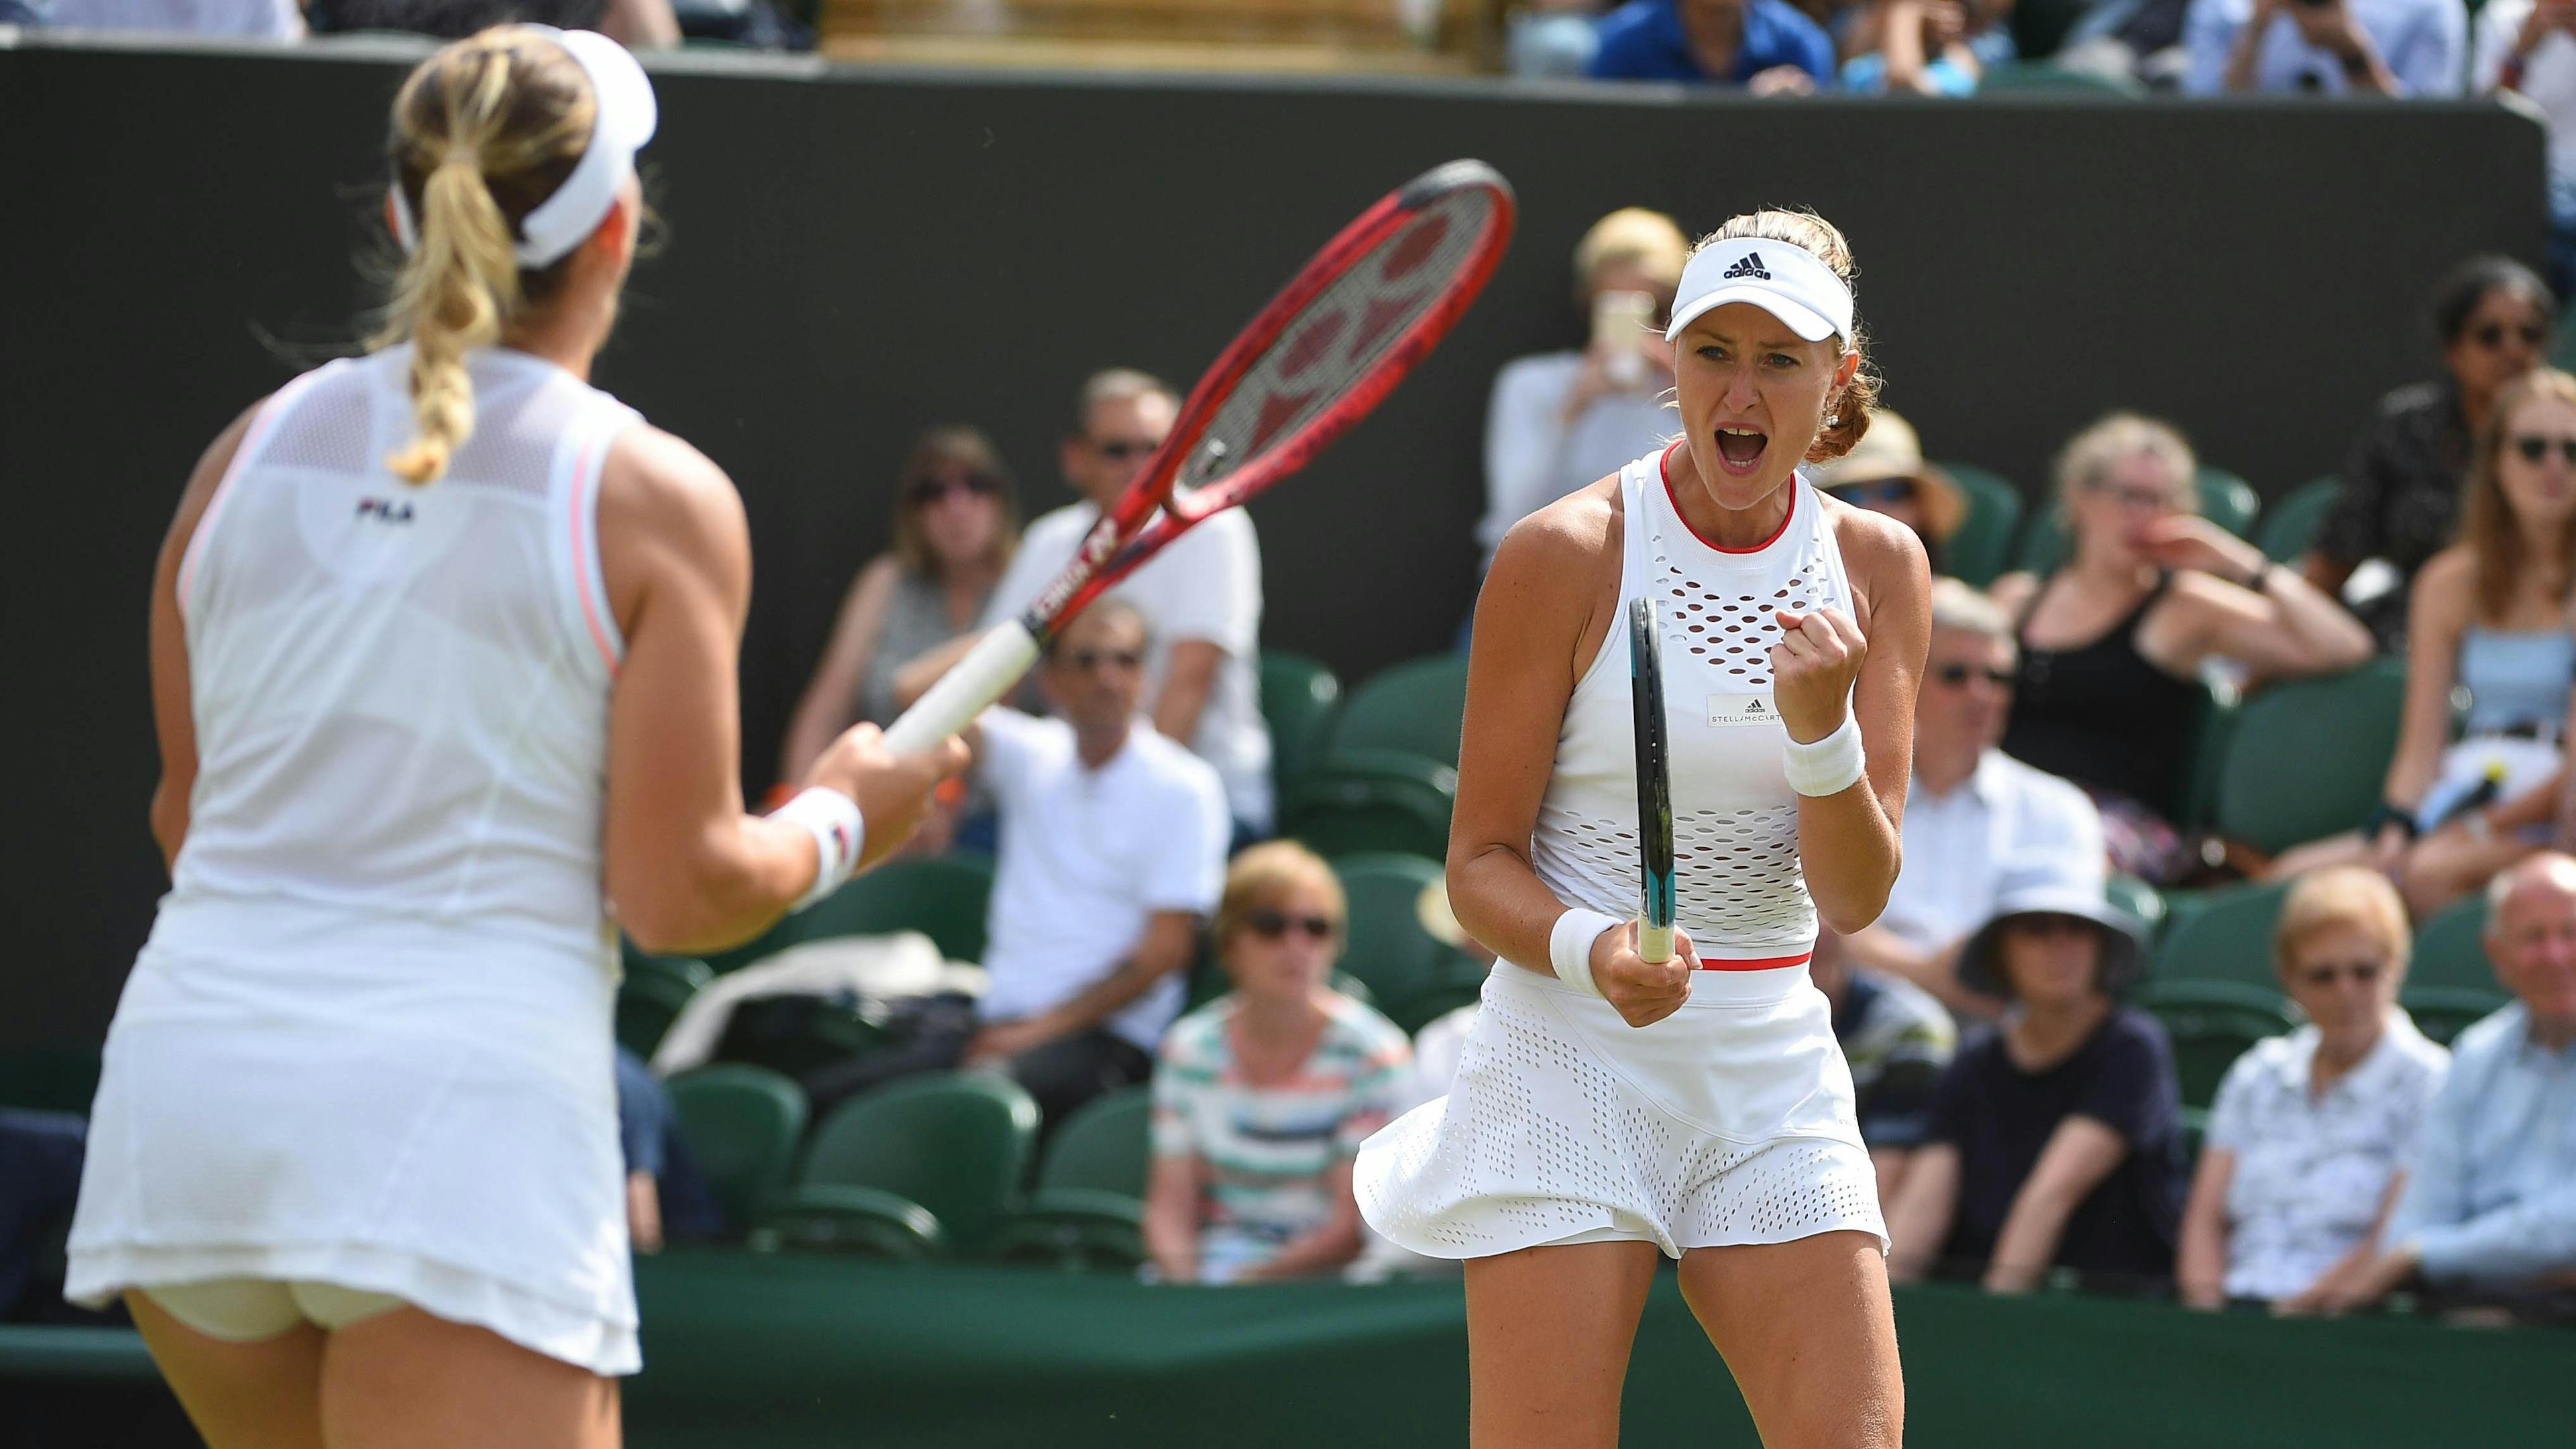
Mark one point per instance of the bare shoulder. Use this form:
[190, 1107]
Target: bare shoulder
[1555, 544]
[657, 480]
[2454, 568]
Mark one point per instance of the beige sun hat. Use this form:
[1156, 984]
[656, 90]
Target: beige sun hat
[1891, 449]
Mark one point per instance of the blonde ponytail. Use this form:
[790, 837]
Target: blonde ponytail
[460, 284]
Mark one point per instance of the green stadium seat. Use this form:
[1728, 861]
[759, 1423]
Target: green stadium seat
[2451, 951]
[2442, 1012]
[2195, 800]
[1982, 547]
[741, 1125]
[2138, 898]
[2040, 75]
[2212, 1023]
[943, 897]
[2221, 935]
[1413, 975]
[2308, 758]
[1088, 1210]
[925, 1165]
[2225, 499]
[2291, 524]
[1359, 801]
[649, 1000]
[1299, 698]
[50, 1077]
[1414, 707]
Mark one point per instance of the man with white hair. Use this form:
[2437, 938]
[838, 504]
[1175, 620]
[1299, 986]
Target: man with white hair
[1970, 808]
[2489, 1207]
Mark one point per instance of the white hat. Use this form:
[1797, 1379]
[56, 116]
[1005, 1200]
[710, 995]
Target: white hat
[1781, 278]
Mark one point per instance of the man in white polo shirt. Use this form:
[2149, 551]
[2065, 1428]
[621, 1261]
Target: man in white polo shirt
[1970, 807]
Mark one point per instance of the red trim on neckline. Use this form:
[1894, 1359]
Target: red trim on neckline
[1664, 466]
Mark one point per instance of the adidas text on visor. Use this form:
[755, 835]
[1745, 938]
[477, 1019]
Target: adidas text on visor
[1784, 280]
[623, 119]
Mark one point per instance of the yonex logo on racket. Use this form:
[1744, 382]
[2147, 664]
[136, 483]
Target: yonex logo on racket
[1748, 265]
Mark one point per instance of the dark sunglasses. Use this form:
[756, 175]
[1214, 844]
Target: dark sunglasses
[1119, 450]
[930, 490]
[1090, 659]
[2365, 972]
[1271, 925]
[1867, 495]
[1955, 675]
[2534, 447]
[2492, 335]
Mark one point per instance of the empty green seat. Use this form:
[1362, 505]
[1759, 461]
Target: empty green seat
[943, 897]
[2442, 1012]
[925, 1165]
[2138, 898]
[2222, 935]
[1088, 1210]
[1359, 801]
[741, 1125]
[1413, 975]
[1299, 697]
[2212, 1023]
[2451, 950]
[1414, 707]
[2290, 525]
[1982, 547]
[2308, 758]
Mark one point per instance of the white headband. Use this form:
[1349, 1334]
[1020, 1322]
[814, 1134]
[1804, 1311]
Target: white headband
[624, 115]
[1784, 280]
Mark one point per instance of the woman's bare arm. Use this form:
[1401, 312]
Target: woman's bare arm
[174, 718]
[2080, 1153]
[2200, 1264]
[1918, 1221]
[831, 698]
[1849, 843]
[1172, 1218]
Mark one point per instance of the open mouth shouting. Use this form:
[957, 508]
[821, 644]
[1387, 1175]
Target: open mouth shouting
[1740, 449]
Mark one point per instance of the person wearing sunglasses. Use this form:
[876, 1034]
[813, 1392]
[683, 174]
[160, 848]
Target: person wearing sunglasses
[1263, 1096]
[1885, 473]
[956, 522]
[2402, 480]
[2308, 1140]
[2491, 617]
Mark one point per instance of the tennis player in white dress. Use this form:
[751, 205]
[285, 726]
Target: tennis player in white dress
[443, 661]
[1607, 1109]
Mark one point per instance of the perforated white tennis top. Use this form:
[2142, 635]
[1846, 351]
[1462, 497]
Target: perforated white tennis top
[401, 693]
[1739, 889]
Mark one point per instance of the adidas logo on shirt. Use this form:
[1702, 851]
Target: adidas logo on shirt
[1750, 265]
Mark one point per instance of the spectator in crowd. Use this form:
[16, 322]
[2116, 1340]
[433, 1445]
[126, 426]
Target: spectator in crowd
[40, 1172]
[2112, 643]
[2307, 1143]
[2489, 1208]
[2491, 616]
[1113, 846]
[956, 520]
[2327, 47]
[1970, 809]
[2401, 483]
[1885, 473]
[2482, 840]
[235, 19]
[1561, 420]
[1920, 48]
[2056, 1139]
[2528, 47]
[635, 24]
[1262, 1097]
[1769, 47]
[667, 1198]
[2139, 40]
[1552, 39]
[1898, 1041]
[1203, 593]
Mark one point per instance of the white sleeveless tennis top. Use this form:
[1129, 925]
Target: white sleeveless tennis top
[401, 693]
[1739, 889]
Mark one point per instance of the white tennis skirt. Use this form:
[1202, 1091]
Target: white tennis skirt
[1729, 1121]
[371, 1104]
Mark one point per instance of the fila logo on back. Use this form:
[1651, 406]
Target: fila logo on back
[1748, 265]
[385, 510]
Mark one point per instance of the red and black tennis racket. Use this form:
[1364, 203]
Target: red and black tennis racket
[1335, 341]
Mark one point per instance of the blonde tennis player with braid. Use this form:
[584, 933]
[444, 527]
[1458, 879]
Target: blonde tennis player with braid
[1609, 1107]
[443, 658]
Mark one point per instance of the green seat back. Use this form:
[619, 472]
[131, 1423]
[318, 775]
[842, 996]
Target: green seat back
[647, 1003]
[943, 897]
[741, 1124]
[2039, 75]
[2212, 1023]
[2139, 899]
[2195, 798]
[1364, 801]
[1414, 707]
[2451, 950]
[1412, 975]
[1104, 1146]
[1979, 551]
[957, 1143]
[2222, 935]
[2291, 524]
[1299, 697]
[2308, 758]
[2443, 1012]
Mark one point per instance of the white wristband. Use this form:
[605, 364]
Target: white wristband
[1830, 765]
[1569, 946]
[839, 834]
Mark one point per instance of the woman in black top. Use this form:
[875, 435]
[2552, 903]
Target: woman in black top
[2401, 485]
[2112, 644]
[2056, 1139]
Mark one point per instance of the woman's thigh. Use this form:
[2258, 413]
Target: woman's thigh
[409, 1380]
[1548, 1334]
[1809, 1332]
[264, 1394]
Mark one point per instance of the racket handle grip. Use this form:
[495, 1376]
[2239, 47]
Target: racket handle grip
[971, 685]
[1654, 943]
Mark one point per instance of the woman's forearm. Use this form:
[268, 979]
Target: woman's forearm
[1500, 901]
[1850, 852]
[2028, 1242]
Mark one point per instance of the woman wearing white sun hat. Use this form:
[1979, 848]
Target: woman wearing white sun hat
[1607, 1108]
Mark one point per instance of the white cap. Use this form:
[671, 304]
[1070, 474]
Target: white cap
[624, 118]
[1781, 278]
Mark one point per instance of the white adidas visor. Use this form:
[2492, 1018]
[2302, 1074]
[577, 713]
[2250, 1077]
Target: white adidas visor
[624, 118]
[1784, 280]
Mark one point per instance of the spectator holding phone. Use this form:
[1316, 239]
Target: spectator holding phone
[2327, 47]
[2528, 47]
